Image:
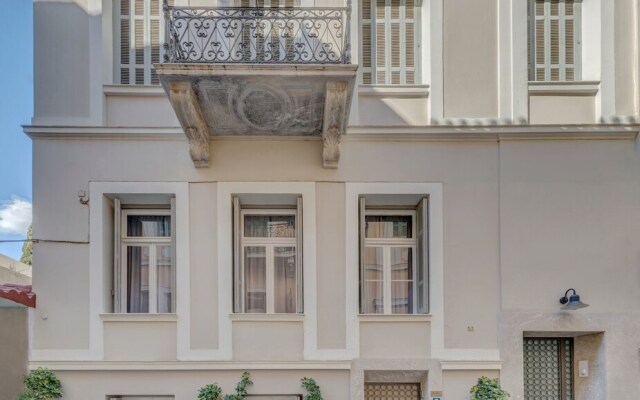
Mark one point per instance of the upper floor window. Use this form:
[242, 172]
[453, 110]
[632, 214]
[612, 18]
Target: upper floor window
[554, 40]
[139, 34]
[267, 260]
[394, 259]
[390, 42]
[144, 258]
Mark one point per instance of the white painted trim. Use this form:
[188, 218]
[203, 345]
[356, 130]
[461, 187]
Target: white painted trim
[405, 91]
[434, 57]
[189, 365]
[513, 67]
[267, 317]
[565, 88]
[97, 191]
[470, 365]
[225, 307]
[134, 90]
[122, 317]
[607, 59]
[436, 246]
[394, 318]
[484, 132]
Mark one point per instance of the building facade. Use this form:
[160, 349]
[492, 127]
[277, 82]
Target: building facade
[388, 196]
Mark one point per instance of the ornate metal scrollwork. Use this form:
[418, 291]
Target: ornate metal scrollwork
[257, 35]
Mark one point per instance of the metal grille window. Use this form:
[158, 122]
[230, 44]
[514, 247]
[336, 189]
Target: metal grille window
[548, 369]
[390, 42]
[139, 34]
[554, 40]
[392, 391]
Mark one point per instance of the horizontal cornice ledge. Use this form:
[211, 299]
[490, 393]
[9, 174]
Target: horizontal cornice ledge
[462, 365]
[103, 132]
[187, 365]
[492, 133]
[483, 133]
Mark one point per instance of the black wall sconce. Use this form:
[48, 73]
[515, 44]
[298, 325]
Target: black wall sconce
[572, 302]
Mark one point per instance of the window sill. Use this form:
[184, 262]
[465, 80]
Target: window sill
[133, 90]
[394, 318]
[267, 317]
[575, 88]
[122, 317]
[406, 91]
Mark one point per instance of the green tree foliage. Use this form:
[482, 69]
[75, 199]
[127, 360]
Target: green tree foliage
[27, 248]
[488, 389]
[312, 388]
[41, 384]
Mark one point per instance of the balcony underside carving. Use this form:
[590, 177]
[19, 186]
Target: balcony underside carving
[260, 100]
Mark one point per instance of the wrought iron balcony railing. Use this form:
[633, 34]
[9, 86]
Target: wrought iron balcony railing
[253, 35]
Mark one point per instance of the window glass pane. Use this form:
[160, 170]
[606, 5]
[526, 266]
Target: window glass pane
[401, 280]
[388, 226]
[165, 278]
[373, 297]
[269, 226]
[285, 279]
[138, 279]
[148, 225]
[255, 278]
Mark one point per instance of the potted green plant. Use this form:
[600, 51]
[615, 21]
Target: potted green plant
[41, 384]
[488, 389]
[312, 388]
[210, 392]
[241, 388]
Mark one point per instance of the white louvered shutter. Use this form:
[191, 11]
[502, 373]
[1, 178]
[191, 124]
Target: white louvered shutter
[554, 40]
[390, 42]
[139, 40]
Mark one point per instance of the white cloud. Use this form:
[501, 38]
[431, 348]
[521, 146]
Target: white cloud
[15, 216]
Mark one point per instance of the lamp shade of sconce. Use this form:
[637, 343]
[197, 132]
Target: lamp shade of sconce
[572, 302]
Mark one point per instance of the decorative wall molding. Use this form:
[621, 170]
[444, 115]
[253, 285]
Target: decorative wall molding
[570, 88]
[335, 122]
[188, 365]
[491, 133]
[185, 103]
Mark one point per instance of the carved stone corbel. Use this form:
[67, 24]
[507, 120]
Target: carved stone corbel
[185, 103]
[334, 123]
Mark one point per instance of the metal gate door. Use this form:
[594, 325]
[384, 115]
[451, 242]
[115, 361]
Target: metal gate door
[392, 391]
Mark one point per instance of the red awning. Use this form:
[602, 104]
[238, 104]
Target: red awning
[20, 294]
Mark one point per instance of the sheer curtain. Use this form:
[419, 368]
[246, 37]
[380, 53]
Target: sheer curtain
[139, 264]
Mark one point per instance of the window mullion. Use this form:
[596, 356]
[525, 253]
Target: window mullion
[547, 41]
[387, 42]
[132, 42]
[153, 280]
[124, 268]
[147, 42]
[270, 275]
[403, 43]
[562, 40]
[386, 276]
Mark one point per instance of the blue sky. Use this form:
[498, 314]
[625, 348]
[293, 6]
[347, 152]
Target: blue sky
[16, 109]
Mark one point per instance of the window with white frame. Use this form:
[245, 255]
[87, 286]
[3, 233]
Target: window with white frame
[267, 259]
[393, 259]
[554, 40]
[139, 33]
[390, 42]
[144, 266]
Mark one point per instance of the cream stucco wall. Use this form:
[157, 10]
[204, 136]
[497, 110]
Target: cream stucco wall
[14, 342]
[522, 220]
